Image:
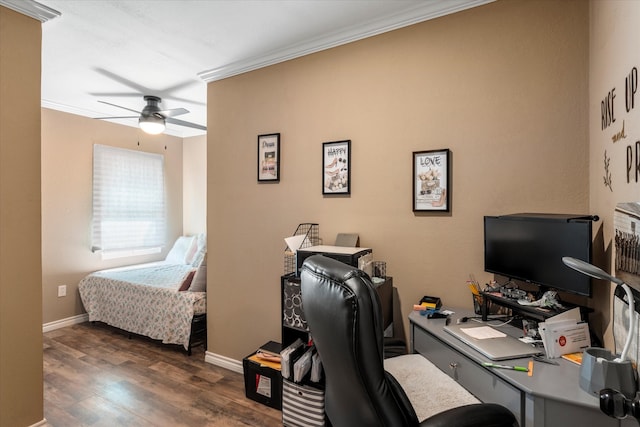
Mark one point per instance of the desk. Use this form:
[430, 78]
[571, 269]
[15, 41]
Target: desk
[551, 397]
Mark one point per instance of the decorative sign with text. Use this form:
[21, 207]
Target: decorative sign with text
[608, 120]
[431, 180]
[269, 157]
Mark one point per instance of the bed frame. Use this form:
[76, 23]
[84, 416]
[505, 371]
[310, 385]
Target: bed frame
[198, 332]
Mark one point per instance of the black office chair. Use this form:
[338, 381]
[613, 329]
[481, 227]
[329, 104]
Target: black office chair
[343, 313]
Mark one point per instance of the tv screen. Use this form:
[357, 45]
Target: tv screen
[530, 247]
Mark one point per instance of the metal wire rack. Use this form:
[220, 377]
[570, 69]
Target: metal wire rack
[312, 238]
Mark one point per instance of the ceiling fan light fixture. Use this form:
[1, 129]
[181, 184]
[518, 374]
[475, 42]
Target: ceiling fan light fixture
[152, 119]
[151, 124]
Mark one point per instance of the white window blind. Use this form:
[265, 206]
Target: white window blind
[128, 200]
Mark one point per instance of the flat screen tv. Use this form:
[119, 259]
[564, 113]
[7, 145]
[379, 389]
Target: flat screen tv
[530, 247]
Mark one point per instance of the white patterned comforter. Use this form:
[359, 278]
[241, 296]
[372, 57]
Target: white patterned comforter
[144, 300]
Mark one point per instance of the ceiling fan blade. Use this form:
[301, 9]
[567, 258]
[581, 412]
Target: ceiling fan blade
[137, 95]
[115, 94]
[122, 80]
[183, 123]
[173, 112]
[180, 86]
[117, 117]
[120, 106]
[162, 93]
[178, 99]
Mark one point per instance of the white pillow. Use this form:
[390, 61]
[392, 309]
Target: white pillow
[202, 241]
[182, 251]
[199, 282]
[201, 250]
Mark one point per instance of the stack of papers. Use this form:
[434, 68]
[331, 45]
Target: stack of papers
[564, 333]
[483, 332]
[288, 357]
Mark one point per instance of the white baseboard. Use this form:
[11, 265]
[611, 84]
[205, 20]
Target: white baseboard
[42, 422]
[223, 362]
[57, 324]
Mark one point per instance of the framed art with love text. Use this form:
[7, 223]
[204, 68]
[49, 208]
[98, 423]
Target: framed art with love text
[269, 157]
[431, 180]
[336, 167]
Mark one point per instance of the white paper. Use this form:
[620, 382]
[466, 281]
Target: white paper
[564, 336]
[294, 242]
[264, 385]
[483, 332]
[302, 366]
[285, 358]
[573, 314]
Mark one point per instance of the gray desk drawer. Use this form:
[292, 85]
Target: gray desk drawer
[473, 377]
[549, 412]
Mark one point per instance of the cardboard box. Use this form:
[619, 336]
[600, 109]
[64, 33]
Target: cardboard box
[262, 383]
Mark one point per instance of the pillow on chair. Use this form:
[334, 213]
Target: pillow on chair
[412, 370]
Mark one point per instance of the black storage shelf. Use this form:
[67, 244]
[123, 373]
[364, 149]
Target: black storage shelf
[528, 312]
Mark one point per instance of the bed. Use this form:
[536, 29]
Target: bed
[163, 300]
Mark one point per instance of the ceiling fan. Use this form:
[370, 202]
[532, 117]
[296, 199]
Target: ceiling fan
[152, 119]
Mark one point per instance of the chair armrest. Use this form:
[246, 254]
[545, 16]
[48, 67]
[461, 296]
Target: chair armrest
[478, 415]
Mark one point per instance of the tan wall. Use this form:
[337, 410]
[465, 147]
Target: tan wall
[504, 86]
[67, 155]
[194, 191]
[613, 53]
[20, 271]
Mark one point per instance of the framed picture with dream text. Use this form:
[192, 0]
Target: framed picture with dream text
[269, 157]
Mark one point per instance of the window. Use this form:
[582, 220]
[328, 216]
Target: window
[128, 202]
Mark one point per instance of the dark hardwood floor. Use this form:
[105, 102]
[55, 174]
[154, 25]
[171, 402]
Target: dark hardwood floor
[94, 375]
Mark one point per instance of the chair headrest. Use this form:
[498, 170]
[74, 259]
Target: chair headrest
[331, 268]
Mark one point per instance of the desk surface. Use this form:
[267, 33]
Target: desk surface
[560, 383]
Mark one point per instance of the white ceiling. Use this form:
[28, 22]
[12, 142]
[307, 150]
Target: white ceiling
[119, 50]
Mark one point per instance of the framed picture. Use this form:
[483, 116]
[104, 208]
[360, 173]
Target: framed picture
[431, 180]
[336, 167]
[269, 157]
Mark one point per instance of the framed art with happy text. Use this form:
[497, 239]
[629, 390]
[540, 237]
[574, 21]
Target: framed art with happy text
[336, 167]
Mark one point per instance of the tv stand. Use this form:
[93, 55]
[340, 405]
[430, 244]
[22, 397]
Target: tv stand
[539, 314]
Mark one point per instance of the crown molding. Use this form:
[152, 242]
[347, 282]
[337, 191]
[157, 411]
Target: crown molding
[67, 108]
[32, 9]
[423, 11]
